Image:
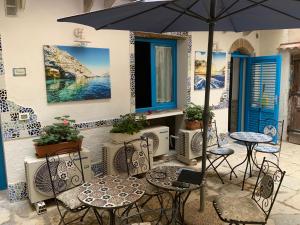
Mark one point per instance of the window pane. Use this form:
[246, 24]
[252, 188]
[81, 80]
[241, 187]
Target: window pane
[164, 72]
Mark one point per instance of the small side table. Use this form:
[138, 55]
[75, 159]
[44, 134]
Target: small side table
[110, 193]
[250, 139]
[162, 177]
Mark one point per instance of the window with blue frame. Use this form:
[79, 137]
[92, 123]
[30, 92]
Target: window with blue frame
[155, 74]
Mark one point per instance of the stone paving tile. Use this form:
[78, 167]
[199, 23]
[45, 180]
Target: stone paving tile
[286, 210]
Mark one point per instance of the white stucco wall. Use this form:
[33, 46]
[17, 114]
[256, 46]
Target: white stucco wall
[23, 38]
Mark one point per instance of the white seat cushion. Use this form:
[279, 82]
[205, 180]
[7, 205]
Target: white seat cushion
[239, 209]
[70, 198]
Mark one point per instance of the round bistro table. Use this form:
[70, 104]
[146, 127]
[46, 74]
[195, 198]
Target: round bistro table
[250, 139]
[162, 177]
[110, 193]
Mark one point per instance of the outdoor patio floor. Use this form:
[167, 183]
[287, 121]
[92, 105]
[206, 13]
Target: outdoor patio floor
[286, 210]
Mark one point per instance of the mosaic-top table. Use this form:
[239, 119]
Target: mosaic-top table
[110, 193]
[162, 177]
[250, 139]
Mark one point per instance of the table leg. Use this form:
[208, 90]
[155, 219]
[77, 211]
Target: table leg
[112, 219]
[98, 217]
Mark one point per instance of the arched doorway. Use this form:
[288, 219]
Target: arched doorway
[240, 50]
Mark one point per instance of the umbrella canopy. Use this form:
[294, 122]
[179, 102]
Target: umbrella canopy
[196, 15]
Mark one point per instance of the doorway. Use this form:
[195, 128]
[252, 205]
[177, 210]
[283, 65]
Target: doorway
[294, 102]
[3, 182]
[237, 92]
[254, 91]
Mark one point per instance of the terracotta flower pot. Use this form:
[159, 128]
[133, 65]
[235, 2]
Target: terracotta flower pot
[120, 138]
[60, 148]
[193, 124]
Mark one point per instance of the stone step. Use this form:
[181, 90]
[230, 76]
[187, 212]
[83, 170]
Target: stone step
[294, 137]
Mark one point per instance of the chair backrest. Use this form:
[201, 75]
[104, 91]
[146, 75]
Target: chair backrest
[137, 154]
[267, 186]
[65, 171]
[213, 138]
[273, 128]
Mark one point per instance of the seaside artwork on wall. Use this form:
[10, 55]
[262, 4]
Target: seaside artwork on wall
[218, 70]
[76, 73]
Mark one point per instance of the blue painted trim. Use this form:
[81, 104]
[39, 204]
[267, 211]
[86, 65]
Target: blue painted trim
[3, 181]
[247, 93]
[240, 93]
[155, 105]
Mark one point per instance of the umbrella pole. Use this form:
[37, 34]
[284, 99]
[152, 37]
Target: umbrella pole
[207, 93]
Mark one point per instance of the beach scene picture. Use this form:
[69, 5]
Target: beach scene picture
[76, 73]
[218, 70]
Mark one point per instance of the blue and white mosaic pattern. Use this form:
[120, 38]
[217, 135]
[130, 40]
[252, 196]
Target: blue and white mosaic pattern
[251, 137]
[17, 192]
[12, 127]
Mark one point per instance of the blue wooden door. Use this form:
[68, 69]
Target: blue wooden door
[263, 89]
[3, 183]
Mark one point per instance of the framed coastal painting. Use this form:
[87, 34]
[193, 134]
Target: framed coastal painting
[76, 73]
[218, 70]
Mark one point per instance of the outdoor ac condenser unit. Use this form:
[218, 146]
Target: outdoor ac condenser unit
[37, 175]
[116, 159]
[188, 145]
[160, 137]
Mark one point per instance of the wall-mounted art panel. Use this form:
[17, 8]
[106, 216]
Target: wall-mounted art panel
[76, 73]
[218, 70]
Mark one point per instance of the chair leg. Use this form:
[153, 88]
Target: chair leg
[62, 217]
[215, 169]
[277, 157]
[81, 219]
[138, 210]
[230, 167]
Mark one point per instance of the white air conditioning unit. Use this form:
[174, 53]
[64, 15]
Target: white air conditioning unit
[37, 175]
[188, 145]
[116, 159]
[160, 137]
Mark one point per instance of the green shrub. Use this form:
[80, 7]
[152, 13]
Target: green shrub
[195, 112]
[61, 131]
[129, 124]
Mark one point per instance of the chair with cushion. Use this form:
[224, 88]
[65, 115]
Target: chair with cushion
[66, 176]
[257, 209]
[274, 129]
[220, 153]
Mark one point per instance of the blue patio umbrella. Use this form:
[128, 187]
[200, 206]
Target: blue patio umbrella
[196, 15]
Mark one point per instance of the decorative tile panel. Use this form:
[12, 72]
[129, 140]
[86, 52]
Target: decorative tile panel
[12, 127]
[17, 191]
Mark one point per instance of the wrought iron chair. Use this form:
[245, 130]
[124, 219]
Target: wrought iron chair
[257, 209]
[66, 177]
[221, 152]
[138, 157]
[274, 129]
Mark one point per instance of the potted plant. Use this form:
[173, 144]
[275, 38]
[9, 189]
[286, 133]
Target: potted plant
[58, 137]
[127, 127]
[194, 116]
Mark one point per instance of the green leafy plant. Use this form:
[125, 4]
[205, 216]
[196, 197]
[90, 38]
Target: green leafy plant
[129, 124]
[195, 112]
[61, 131]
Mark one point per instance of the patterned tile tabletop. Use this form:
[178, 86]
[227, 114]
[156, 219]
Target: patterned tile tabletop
[111, 191]
[162, 177]
[251, 137]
